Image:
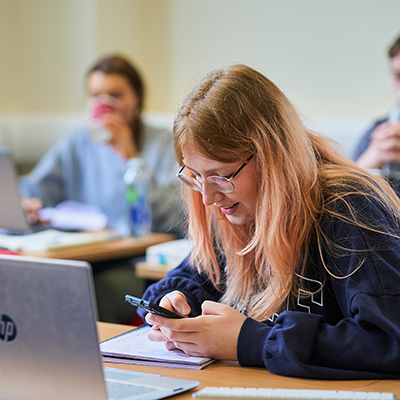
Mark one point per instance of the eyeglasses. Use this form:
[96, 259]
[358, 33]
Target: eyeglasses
[222, 184]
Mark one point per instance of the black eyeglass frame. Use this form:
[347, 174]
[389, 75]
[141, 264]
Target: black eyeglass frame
[197, 185]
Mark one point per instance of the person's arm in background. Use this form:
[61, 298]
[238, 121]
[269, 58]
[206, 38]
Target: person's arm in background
[44, 185]
[364, 142]
[121, 140]
[45, 180]
[32, 206]
[379, 145]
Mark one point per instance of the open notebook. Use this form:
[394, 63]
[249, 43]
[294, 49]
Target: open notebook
[48, 338]
[134, 347]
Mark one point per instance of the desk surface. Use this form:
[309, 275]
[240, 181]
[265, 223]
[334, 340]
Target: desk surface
[107, 250]
[223, 373]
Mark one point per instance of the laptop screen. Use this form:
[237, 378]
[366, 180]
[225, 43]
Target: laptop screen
[12, 216]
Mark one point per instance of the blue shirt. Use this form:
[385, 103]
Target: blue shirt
[78, 168]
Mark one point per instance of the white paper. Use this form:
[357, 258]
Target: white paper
[170, 253]
[52, 239]
[135, 347]
[73, 215]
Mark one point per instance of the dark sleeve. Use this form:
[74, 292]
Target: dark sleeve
[196, 287]
[365, 140]
[365, 342]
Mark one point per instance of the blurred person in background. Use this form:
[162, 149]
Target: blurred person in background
[379, 148]
[89, 164]
[87, 167]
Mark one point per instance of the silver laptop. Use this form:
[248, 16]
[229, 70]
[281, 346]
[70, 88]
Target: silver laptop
[49, 346]
[12, 216]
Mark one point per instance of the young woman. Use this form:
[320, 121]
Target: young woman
[83, 169]
[295, 263]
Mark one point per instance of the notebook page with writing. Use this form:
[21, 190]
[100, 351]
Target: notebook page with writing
[134, 347]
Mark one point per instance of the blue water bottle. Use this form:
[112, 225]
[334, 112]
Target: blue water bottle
[137, 181]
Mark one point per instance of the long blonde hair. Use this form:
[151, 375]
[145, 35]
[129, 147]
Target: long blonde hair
[237, 112]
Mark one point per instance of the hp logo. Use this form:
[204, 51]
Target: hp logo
[8, 329]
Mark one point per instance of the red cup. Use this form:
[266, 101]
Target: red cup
[99, 106]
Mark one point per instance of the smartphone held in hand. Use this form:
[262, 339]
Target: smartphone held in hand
[151, 307]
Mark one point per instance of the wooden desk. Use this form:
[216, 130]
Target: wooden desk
[108, 250]
[151, 271]
[223, 373]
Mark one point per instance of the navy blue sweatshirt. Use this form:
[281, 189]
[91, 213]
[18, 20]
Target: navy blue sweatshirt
[349, 329]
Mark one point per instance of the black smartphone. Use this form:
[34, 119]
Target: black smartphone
[151, 307]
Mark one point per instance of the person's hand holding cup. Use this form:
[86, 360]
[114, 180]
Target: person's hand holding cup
[98, 107]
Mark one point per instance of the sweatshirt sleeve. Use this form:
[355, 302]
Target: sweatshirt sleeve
[196, 287]
[46, 180]
[365, 342]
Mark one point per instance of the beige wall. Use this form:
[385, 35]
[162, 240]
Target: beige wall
[46, 45]
[328, 57]
[139, 28]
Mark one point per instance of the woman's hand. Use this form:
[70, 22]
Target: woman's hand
[122, 139]
[176, 302]
[384, 146]
[32, 206]
[213, 334]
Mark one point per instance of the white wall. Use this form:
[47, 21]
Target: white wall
[328, 57]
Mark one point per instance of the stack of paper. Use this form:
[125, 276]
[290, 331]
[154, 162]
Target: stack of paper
[169, 253]
[74, 215]
[52, 239]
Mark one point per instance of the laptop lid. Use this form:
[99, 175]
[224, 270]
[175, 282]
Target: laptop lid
[49, 347]
[12, 215]
[48, 334]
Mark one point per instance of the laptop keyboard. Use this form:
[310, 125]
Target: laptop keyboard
[120, 391]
